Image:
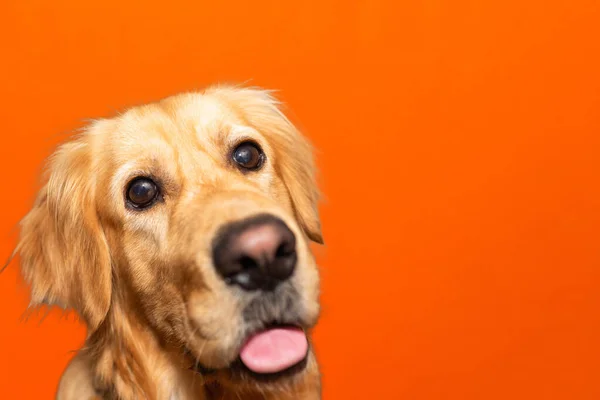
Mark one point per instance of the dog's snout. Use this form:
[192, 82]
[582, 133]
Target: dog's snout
[256, 253]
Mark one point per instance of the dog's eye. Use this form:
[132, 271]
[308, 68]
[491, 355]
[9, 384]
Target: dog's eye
[142, 192]
[248, 156]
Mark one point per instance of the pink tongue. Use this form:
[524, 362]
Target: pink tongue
[274, 350]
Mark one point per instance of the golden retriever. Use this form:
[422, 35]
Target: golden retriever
[179, 231]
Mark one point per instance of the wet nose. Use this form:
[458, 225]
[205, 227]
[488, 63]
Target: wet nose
[255, 253]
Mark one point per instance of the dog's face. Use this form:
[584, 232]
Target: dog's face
[198, 211]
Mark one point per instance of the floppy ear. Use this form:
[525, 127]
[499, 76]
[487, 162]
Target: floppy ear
[64, 254]
[296, 166]
[294, 155]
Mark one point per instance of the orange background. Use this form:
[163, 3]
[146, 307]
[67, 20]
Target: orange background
[458, 142]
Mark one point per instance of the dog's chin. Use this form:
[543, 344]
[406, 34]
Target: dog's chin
[244, 369]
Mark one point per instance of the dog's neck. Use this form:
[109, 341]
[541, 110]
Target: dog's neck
[123, 360]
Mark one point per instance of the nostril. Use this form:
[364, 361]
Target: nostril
[284, 261]
[285, 250]
[247, 262]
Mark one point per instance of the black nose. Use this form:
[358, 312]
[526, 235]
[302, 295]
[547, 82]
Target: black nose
[255, 253]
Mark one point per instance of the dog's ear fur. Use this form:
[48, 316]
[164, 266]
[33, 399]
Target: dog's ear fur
[63, 251]
[295, 160]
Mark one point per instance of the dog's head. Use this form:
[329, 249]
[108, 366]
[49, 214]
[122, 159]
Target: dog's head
[198, 210]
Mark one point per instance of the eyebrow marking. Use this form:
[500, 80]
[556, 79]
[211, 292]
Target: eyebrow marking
[123, 171]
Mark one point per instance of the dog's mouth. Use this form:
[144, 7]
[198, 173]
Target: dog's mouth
[269, 354]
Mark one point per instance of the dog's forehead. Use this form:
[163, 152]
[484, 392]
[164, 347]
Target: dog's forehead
[182, 135]
[186, 130]
[179, 119]
[203, 113]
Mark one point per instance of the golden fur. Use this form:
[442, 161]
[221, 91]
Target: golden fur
[143, 281]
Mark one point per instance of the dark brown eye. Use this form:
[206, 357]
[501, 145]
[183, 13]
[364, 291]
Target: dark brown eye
[142, 192]
[248, 156]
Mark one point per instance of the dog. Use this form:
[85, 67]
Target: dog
[180, 233]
